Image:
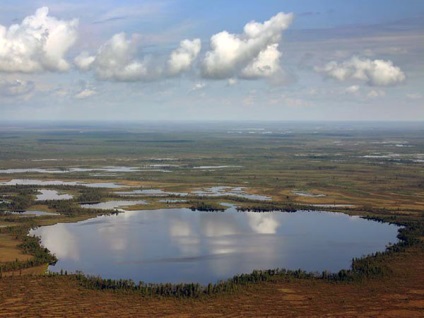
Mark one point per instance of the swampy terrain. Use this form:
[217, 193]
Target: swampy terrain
[64, 175]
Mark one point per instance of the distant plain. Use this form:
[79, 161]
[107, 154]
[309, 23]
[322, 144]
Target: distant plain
[366, 169]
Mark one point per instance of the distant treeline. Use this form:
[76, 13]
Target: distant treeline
[206, 206]
[268, 207]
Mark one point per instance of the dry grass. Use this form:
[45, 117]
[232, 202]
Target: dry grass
[9, 251]
[37, 270]
[41, 207]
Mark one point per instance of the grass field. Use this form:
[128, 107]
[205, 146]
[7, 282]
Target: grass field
[374, 169]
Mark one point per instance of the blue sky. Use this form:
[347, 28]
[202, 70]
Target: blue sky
[212, 60]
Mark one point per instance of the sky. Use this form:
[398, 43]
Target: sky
[190, 60]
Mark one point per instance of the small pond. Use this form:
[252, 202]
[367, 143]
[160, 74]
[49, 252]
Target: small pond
[235, 192]
[33, 213]
[151, 192]
[179, 245]
[45, 194]
[215, 167]
[217, 191]
[308, 194]
[69, 170]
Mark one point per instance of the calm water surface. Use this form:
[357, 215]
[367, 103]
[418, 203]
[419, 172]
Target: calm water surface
[179, 245]
[109, 185]
[68, 170]
[236, 192]
[45, 194]
[217, 191]
[33, 213]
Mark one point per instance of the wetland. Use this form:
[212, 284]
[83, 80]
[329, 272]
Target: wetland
[105, 194]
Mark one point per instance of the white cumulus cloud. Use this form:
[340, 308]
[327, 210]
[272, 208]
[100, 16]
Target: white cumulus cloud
[183, 57]
[118, 59]
[198, 86]
[115, 60]
[231, 81]
[374, 93]
[352, 89]
[265, 64]
[39, 43]
[84, 61]
[414, 96]
[254, 53]
[373, 72]
[16, 87]
[250, 55]
[85, 90]
[85, 93]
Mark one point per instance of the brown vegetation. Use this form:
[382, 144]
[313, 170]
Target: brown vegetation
[398, 295]
[9, 250]
[275, 165]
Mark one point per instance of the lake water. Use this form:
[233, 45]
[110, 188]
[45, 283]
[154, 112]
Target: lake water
[151, 192]
[69, 170]
[45, 194]
[179, 245]
[307, 194]
[33, 213]
[207, 192]
[230, 191]
[107, 185]
[215, 167]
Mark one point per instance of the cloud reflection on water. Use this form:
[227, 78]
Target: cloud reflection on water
[179, 245]
[60, 241]
[263, 223]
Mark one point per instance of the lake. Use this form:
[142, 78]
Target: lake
[45, 194]
[33, 213]
[107, 185]
[216, 191]
[69, 170]
[180, 245]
